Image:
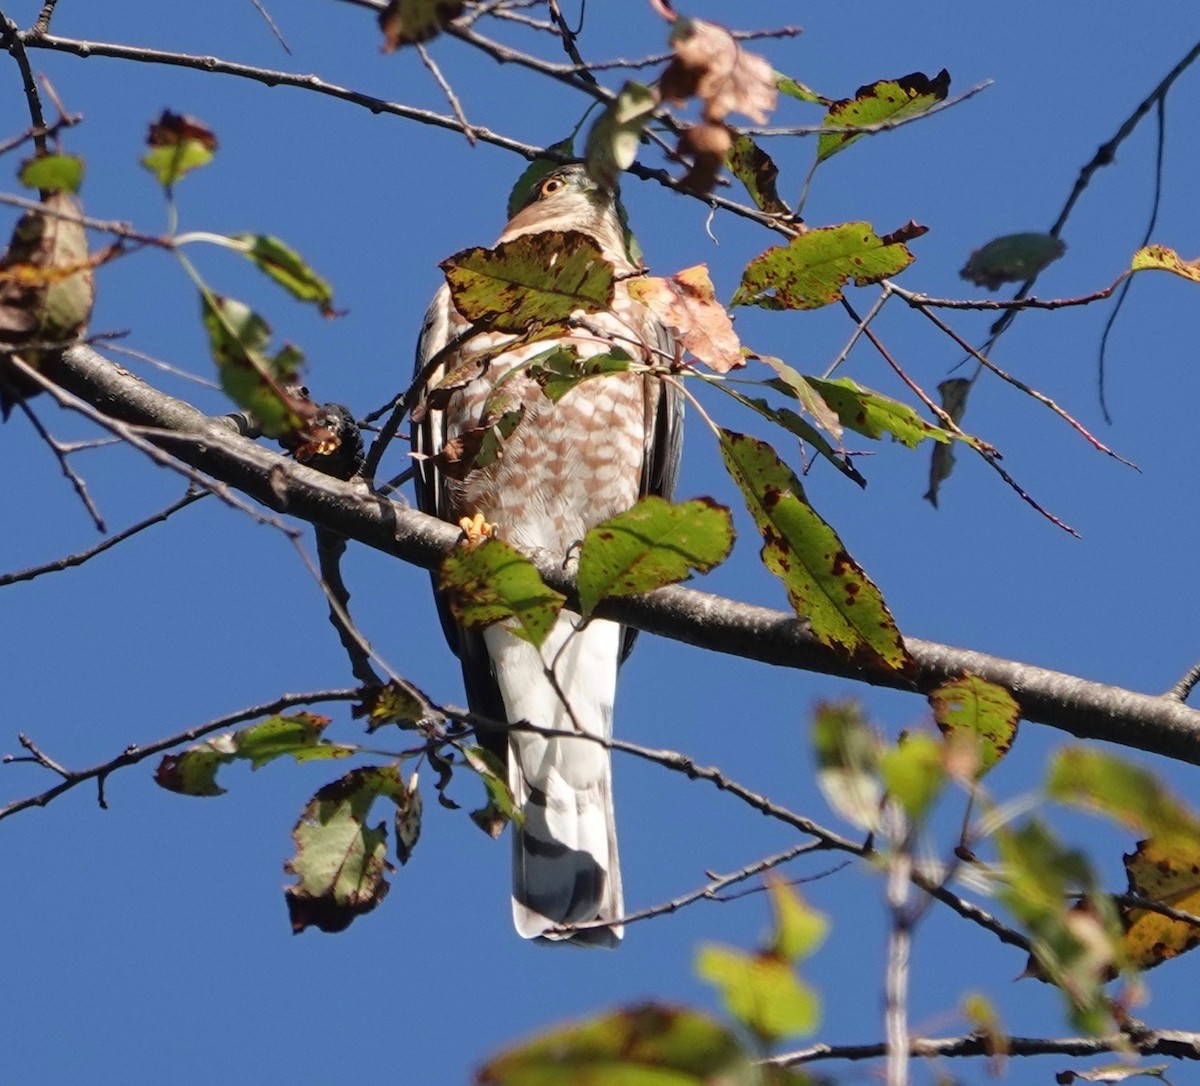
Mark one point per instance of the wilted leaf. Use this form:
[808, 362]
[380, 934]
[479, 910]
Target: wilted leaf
[407, 820]
[340, 861]
[238, 339]
[914, 772]
[754, 168]
[478, 446]
[1160, 258]
[407, 22]
[1166, 871]
[648, 1043]
[299, 735]
[177, 145]
[887, 101]
[848, 753]
[970, 710]
[824, 584]
[811, 270]
[52, 173]
[396, 702]
[687, 304]
[711, 65]
[560, 369]
[288, 269]
[613, 141]
[493, 582]
[707, 145]
[1013, 258]
[873, 414]
[795, 384]
[653, 544]
[954, 393]
[539, 278]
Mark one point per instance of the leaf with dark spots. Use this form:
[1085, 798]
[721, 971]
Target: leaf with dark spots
[653, 544]
[811, 270]
[873, 414]
[560, 369]
[534, 280]
[493, 582]
[972, 712]
[806, 554]
[340, 861]
[396, 702]
[884, 102]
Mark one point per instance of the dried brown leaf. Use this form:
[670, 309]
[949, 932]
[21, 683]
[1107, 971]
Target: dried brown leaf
[687, 304]
[709, 64]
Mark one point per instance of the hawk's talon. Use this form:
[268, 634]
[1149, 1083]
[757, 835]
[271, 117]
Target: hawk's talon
[476, 529]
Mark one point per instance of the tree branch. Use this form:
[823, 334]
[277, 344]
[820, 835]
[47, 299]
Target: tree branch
[1157, 724]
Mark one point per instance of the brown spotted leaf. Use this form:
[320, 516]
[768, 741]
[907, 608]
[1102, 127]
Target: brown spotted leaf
[710, 64]
[653, 544]
[687, 304]
[823, 582]
[886, 101]
[1167, 872]
[408, 22]
[396, 702]
[811, 270]
[178, 145]
[534, 280]
[1160, 258]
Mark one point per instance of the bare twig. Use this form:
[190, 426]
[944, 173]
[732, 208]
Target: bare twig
[467, 129]
[1182, 690]
[271, 23]
[60, 454]
[79, 558]
[12, 40]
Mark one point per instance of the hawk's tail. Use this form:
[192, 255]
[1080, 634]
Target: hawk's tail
[565, 862]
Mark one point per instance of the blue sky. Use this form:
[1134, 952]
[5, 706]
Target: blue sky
[149, 942]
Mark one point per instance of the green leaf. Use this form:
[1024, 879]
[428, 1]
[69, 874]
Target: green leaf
[644, 1045]
[501, 808]
[493, 582]
[848, 753]
[824, 584]
[536, 279]
[761, 991]
[340, 861]
[1075, 947]
[1013, 258]
[884, 102]
[797, 930]
[559, 369]
[754, 168]
[914, 772]
[873, 415]
[178, 145]
[973, 711]
[52, 173]
[805, 431]
[612, 143]
[653, 544]
[793, 89]
[194, 772]
[1097, 781]
[288, 269]
[811, 270]
[255, 381]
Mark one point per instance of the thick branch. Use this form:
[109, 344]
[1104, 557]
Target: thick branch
[1157, 724]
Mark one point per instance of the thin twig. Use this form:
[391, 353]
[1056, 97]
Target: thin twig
[271, 23]
[12, 40]
[467, 129]
[80, 557]
[60, 455]
[1182, 690]
[134, 754]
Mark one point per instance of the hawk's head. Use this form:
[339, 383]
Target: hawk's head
[566, 198]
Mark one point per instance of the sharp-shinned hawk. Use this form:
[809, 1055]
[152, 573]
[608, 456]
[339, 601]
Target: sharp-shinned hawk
[566, 467]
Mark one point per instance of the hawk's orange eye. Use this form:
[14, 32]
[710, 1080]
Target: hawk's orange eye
[552, 185]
